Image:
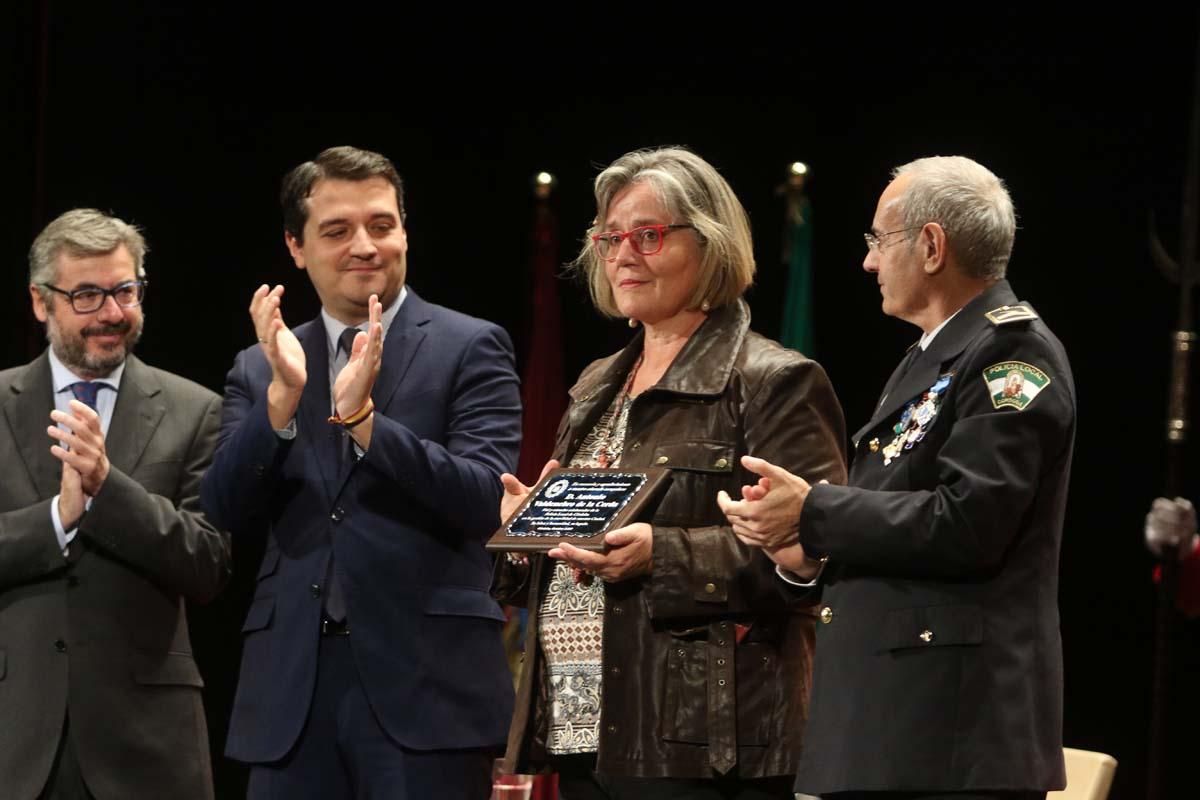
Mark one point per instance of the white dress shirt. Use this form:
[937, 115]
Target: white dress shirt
[333, 331]
[106, 400]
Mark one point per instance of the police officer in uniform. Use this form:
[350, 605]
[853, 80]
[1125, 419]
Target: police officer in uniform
[939, 662]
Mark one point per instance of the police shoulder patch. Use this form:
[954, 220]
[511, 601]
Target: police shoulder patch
[1006, 314]
[1014, 384]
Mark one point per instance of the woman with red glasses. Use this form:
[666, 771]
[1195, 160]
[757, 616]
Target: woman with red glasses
[671, 664]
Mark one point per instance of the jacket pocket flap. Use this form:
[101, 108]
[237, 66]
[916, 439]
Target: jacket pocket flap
[170, 669]
[270, 563]
[260, 614]
[698, 455]
[933, 627]
[462, 601]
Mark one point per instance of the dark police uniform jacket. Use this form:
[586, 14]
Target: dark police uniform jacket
[938, 658]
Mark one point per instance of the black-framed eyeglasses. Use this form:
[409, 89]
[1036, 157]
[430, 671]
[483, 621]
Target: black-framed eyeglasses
[646, 240]
[90, 299]
[874, 240]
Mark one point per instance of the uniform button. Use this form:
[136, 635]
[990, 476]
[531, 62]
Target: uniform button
[926, 636]
[720, 662]
[709, 588]
[617, 610]
[721, 682]
[615, 670]
[72, 580]
[721, 463]
[612, 728]
[720, 642]
[260, 470]
[661, 460]
[337, 514]
[635, 445]
[827, 615]
[680, 652]
[60, 645]
[315, 589]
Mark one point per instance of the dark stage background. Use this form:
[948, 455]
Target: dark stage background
[184, 121]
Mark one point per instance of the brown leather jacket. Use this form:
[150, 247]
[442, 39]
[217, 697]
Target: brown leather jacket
[707, 659]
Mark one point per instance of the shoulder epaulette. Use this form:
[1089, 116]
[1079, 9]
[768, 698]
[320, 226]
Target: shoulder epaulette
[1006, 314]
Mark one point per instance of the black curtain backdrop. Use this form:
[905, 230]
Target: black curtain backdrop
[183, 119]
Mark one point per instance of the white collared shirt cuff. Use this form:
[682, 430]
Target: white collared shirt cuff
[795, 580]
[287, 432]
[65, 537]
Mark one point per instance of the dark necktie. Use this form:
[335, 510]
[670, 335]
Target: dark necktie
[335, 601]
[914, 353]
[85, 392]
[912, 357]
[345, 346]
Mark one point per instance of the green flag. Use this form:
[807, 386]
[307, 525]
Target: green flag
[797, 255]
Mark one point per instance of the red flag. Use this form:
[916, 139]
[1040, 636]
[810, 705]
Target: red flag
[543, 389]
[543, 393]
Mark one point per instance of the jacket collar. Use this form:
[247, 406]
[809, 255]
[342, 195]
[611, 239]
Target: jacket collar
[946, 346]
[404, 339]
[969, 322]
[138, 412]
[702, 367]
[28, 414]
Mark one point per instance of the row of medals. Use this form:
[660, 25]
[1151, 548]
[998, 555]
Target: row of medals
[915, 420]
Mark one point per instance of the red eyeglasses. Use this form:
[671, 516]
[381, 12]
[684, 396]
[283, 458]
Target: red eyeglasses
[646, 240]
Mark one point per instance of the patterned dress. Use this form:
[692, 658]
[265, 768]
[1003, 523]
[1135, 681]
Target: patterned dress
[571, 617]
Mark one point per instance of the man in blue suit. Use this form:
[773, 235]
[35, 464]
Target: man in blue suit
[367, 444]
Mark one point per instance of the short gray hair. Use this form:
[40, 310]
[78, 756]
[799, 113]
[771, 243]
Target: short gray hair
[694, 193]
[970, 203]
[82, 232]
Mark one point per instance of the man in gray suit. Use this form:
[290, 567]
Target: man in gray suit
[101, 538]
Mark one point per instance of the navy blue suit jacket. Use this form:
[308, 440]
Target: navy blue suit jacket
[407, 524]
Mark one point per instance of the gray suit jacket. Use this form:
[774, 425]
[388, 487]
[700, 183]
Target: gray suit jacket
[102, 635]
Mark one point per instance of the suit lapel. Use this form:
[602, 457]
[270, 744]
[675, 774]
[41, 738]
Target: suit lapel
[404, 339]
[920, 376]
[899, 372]
[139, 411]
[595, 391]
[27, 413]
[946, 346]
